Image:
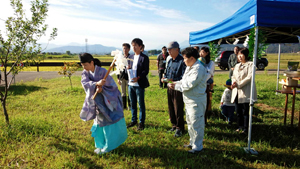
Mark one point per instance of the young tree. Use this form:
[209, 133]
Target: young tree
[214, 50]
[68, 69]
[19, 45]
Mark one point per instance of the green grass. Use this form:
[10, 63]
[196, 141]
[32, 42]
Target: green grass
[284, 58]
[46, 132]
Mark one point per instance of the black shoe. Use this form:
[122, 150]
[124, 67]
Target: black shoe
[178, 133]
[171, 130]
[187, 146]
[194, 151]
[245, 131]
[141, 126]
[131, 124]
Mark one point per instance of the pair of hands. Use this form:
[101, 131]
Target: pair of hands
[99, 85]
[170, 85]
[234, 85]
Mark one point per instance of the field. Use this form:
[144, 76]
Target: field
[46, 132]
[272, 58]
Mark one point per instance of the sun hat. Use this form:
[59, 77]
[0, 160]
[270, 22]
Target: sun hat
[228, 83]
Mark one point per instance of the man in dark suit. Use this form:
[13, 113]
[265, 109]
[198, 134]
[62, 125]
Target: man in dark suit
[138, 70]
[174, 72]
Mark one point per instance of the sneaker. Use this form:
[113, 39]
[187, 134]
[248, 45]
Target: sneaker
[131, 124]
[187, 146]
[239, 129]
[192, 151]
[244, 131]
[141, 126]
[100, 151]
[171, 130]
[178, 133]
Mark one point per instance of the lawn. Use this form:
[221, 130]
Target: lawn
[46, 132]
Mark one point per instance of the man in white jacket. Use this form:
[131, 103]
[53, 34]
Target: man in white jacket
[193, 86]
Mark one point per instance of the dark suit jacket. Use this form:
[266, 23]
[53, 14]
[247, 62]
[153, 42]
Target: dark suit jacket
[142, 69]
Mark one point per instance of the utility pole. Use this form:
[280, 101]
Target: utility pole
[86, 40]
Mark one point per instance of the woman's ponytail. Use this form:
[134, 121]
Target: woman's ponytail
[97, 62]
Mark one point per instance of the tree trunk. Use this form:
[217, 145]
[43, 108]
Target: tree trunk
[5, 112]
[70, 81]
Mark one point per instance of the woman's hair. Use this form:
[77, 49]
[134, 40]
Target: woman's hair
[190, 52]
[207, 57]
[245, 51]
[86, 57]
[97, 62]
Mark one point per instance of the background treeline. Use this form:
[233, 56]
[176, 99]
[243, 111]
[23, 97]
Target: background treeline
[272, 48]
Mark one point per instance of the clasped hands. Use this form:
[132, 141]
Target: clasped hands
[99, 85]
[234, 85]
[170, 85]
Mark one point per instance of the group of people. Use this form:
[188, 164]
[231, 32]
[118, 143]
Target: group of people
[188, 77]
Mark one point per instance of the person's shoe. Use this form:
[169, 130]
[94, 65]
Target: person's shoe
[244, 131]
[178, 133]
[99, 151]
[187, 146]
[131, 124]
[171, 130]
[239, 129]
[141, 126]
[192, 151]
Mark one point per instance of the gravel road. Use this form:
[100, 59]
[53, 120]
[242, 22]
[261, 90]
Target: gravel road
[30, 76]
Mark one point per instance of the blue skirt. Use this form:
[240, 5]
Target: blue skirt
[109, 137]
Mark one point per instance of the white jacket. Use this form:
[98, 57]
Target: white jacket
[193, 83]
[242, 75]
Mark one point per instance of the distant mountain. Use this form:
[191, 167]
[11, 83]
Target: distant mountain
[93, 49]
[46, 46]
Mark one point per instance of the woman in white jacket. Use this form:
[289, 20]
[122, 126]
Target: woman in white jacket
[241, 85]
[193, 86]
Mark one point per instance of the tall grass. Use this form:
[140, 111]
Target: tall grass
[46, 132]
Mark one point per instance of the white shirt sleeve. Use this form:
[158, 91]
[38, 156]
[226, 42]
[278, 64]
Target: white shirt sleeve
[223, 96]
[210, 70]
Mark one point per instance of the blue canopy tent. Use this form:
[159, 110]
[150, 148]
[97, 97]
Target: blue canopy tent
[279, 20]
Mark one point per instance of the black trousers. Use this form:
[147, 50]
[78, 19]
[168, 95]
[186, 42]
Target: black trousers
[160, 74]
[175, 104]
[242, 112]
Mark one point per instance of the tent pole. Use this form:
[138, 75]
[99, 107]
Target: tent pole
[279, 52]
[248, 149]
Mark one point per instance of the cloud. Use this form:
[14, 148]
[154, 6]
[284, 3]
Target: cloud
[66, 3]
[113, 22]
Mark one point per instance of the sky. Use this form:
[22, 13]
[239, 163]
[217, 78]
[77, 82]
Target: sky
[114, 22]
